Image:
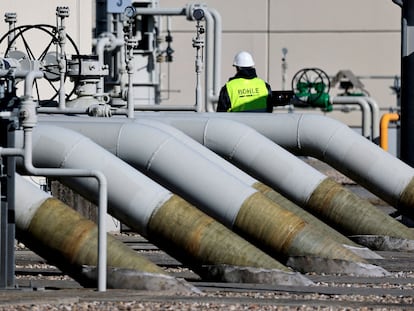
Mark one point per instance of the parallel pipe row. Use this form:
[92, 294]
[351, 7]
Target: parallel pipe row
[226, 193]
[292, 178]
[144, 205]
[333, 143]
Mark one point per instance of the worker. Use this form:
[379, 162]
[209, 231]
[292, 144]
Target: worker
[245, 92]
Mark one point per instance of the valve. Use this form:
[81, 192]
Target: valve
[311, 88]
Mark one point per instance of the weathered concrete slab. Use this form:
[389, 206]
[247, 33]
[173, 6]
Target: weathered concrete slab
[119, 278]
[307, 264]
[236, 274]
[384, 243]
[363, 252]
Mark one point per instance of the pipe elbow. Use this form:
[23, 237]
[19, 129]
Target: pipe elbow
[384, 123]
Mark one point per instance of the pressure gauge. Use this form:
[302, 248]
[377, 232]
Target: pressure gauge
[129, 11]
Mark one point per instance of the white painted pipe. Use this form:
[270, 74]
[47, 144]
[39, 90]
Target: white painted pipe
[365, 109]
[375, 112]
[76, 172]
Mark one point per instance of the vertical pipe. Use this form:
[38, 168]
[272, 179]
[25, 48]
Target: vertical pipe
[375, 112]
[365, 109]
[102, 199]
[385, 121]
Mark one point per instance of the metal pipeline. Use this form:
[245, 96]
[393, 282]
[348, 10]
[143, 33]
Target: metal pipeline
[213, 48]
[119, 143]
[238, 206]
[106, 42]
[294, 179]
[154, 212]
[375, 113]
[62, 236]
[336, 144]
[367, 125]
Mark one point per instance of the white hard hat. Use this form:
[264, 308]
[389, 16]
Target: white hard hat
[243, 59]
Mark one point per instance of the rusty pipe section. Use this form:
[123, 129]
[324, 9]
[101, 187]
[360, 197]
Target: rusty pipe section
[144, 205]
[150, 150]
[62, 236]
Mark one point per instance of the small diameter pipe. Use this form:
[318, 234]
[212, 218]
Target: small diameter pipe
[212, 55]
[365, 109]
[145, 206]
[110, 42]
[102, 200]
[28, 114]
[62, 236]
[216, 60]
[375, 112]
[385, 121]
[130, 95]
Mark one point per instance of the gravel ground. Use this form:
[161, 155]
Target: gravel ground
[397, 290]
[221, 297]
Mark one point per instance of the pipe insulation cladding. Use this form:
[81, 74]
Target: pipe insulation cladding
[271, 227]
[162, 217]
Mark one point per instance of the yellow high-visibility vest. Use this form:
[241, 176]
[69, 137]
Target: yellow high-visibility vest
[247, 94]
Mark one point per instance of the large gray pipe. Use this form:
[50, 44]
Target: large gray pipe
[63, 237]
[336, 144]
[120, 143]
[240, 207]
[153, 211]
[293, 178]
